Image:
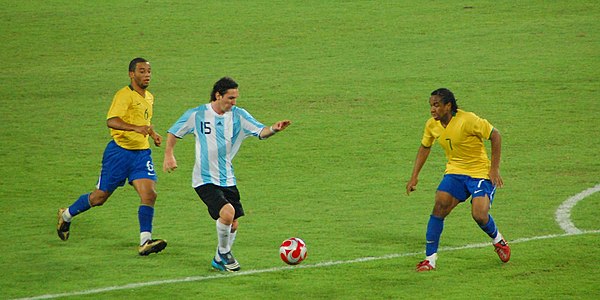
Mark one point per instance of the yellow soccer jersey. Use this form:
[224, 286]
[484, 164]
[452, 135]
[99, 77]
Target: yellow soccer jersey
[462, 140]
[134, 109]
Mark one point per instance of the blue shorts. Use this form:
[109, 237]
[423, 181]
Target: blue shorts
[462, 187]
[120, 164]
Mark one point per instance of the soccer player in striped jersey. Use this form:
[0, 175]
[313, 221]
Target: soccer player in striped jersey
[126, 157]
[219, 128]
[469, 172]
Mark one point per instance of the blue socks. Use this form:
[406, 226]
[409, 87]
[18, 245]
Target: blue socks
[145, 216]
[82, 204]
[434, 231]
[490, 228]
[436, 225]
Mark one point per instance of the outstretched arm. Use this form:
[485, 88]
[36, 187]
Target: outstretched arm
[273, 129]
[422, 155]
[170, 163]
[495, 177]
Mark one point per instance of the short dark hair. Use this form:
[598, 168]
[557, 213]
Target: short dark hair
[134, 62]
[447, 97]
[221, 87]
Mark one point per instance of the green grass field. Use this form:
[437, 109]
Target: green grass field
[354, 77]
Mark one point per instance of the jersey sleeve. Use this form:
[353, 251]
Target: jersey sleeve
[482, 128]
[184, 125]
[428, 137]
[119, 105]
[250, 126]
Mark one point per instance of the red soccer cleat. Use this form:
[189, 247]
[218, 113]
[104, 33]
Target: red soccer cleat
[503, 250]
[424, 266]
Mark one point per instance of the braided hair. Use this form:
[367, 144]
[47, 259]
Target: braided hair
[447, 97]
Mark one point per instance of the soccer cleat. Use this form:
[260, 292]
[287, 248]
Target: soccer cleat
[218, 265]
[503, 250]
[152, 246]
[228, 262]
[424, 266]
[63, 227]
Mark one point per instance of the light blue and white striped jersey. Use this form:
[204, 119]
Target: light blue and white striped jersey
[218, 139]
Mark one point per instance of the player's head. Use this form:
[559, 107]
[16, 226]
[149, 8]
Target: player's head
[446, 96]
[133, 63]
[224, 95]
[140, 72]
[222, 86]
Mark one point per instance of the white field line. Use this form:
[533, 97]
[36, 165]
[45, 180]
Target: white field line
[562, 217]
[563, 213]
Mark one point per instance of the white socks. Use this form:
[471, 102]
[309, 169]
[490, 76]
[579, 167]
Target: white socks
[498, 238]
[144, 236]
[232, 239]
[226, 239]
[67, 216]
[224, 235]
[432, 258]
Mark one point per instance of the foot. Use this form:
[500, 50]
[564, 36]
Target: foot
[152, 246]
[228, 262]
[503, 250]
[218, 265]
[424, 266]
[63, 227]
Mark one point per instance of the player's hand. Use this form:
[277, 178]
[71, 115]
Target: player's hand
[496, 179]
[157, 138]
[281, 125]
[143, 130]
[169, 164]
[411, 186]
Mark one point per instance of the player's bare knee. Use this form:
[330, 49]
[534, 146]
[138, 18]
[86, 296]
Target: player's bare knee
[149, 198]
[227, 214]
[98, 198]
[480, 218]
[441, 209]
[234, 226]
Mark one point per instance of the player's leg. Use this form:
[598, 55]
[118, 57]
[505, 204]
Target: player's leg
[146, 189]
[111, 177]
[226, 232]
[483, 195]
[233, 197]
[224, 228]
[444, 203]
[233, 234]
[223, 213]
[82, 204]
[143, 178]
[449, 194]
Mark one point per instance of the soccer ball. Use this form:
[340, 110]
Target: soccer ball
[292, 251]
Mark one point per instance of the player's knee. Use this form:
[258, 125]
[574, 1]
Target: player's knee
[441, 209]
[227, 213]
[149, 198]
[480, 218]
[98, 198]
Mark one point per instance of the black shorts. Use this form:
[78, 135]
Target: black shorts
[215, 197]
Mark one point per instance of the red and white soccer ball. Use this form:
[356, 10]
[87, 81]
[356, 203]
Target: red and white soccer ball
[292, 251]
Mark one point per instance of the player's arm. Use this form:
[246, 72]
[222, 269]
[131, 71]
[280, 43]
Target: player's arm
[422, 155]
[157, 138]
[170, 163]
[496, 140]
[273, 129]
[119, 124]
